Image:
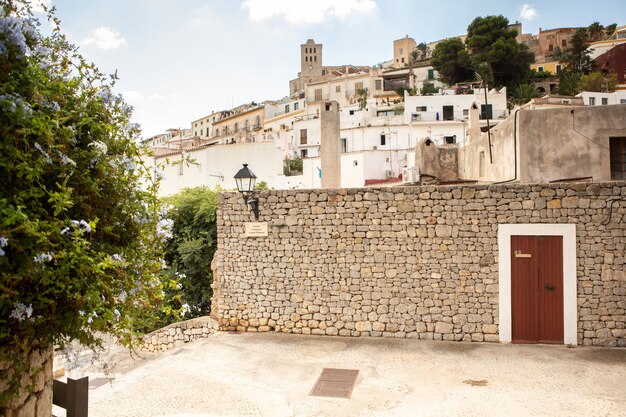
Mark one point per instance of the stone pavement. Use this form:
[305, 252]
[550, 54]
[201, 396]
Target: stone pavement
[267, 374]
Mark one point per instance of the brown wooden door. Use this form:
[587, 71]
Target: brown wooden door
[537, 289]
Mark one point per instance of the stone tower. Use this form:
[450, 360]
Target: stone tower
[310, 59]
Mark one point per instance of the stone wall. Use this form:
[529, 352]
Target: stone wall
[177, 334]
[415, 262]
[35, 399]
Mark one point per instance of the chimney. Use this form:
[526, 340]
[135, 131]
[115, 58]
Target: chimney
[330, 145]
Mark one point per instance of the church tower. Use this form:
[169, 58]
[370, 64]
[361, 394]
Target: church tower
[311, 59]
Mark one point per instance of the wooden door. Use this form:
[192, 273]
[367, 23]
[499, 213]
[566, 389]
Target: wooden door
[537, 289]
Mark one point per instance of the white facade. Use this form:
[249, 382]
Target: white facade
[215, 166]
[592, 98]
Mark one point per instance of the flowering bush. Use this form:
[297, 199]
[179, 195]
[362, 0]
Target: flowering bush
[80, 237]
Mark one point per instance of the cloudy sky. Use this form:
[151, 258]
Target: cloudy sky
[179, 60]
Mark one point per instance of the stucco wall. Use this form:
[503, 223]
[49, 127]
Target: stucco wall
[568, 142]
[418, 262]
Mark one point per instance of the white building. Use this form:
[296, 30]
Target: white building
[592, 98]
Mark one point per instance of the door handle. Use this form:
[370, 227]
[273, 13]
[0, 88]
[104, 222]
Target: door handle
[549, 287]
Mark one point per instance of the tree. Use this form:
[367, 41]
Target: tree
[362, 94]
[428, 88]
[80, 238]
[576, 58]
[190, 250]
[597, 81]
[523, 93]
[452, 61]
[569, 83]
[493, 44]
[608, 30]
[422, 51]
[595, 32]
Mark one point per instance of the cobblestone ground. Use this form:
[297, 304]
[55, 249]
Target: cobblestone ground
[272, 374]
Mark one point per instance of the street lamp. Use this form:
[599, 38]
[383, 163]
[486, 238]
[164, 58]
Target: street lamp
[245, 180]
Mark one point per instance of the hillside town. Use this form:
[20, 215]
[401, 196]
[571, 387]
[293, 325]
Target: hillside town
[400, 122]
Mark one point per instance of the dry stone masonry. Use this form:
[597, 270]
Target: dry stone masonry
[178, 334]
[35, 398]
[409, 262]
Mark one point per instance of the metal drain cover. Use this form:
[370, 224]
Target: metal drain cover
[336, 383]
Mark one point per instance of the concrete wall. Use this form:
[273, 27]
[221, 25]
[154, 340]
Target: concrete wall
[475, 162]
[568, 142]
[418, 262]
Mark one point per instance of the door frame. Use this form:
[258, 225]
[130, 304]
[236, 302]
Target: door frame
[570, 312]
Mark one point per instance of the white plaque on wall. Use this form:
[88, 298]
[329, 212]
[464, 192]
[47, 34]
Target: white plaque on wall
[256, 229]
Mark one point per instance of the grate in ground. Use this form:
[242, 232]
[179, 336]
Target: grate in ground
[336, 383]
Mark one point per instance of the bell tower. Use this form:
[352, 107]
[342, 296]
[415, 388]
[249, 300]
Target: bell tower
[311, 59]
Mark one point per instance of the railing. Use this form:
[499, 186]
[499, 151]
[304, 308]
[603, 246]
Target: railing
[72, 395]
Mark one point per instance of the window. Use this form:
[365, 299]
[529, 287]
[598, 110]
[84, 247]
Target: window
[617, 150]
[486, 112]
[420, 108]
[448, 112]
[337, 89]
[315, 58]
[295, 106]
[550, 47]
[358, 86]
[465, 112]
[564, 42]
[287, 108]
[622, 101]
[195, 133]
[207, 131]
[236, 127]
[304, 153]
[592, 101]
[378, 85]
[605, 101]
[352, 112]
[431, 74]
[558, 68]
[318, 94]
[383, 139]
[540, 69]
[303, 137]
[402, 59]
[449, 140]
[344, 145]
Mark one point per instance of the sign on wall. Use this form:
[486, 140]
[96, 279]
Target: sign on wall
[256, 229]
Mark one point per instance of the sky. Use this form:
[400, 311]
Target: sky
[180, 60]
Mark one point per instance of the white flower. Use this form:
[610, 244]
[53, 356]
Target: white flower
[163, 264]
[99, 146]
[43, 257]
[4, 242]
[122, 296]
[85, 225]
[117, 314]
[65, 231]
[158, 173]
[164, 228]
[20, 312]
[2, 252]
[184, 309]
[66, 159]
[116, 257]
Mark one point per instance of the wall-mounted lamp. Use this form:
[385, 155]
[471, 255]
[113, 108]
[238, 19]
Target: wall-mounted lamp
[245, 180]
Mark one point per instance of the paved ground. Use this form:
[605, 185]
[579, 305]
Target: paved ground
[272, 374]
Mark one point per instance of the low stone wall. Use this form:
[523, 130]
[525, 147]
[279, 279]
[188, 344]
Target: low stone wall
[35, 399]
[178, 334]
[418, 262]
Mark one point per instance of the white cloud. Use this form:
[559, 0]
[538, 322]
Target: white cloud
[527, 12]
[307, 11]
[105, 38]
[133, 96]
